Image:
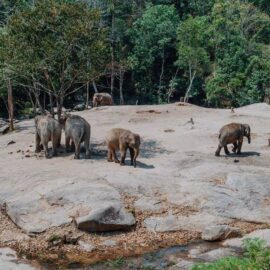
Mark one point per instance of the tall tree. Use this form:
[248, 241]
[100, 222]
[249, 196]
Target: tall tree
[57, 45]
[153, 37]
[192, 53]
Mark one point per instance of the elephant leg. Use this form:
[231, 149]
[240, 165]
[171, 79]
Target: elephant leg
[87, 149]
[45, 147]
[77, 150]
[72, 146]
[110, 155]
[123, 152]
[115, 159]
[67, 144]
[55, 141]
[37, 143]
[217, 154]
[131, 156]
[240, 142]
[227, 152]
[235, 146]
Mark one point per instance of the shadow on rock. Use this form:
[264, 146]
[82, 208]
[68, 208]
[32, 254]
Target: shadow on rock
[144, 166]
[245, 154]
[150, 148]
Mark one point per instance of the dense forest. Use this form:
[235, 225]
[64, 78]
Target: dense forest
[56, 53]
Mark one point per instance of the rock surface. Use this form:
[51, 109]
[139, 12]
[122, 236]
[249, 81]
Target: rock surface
[195, 222]
[216, 254]
[10, 261]
[238, 242]
[219, 232]
[179, 167]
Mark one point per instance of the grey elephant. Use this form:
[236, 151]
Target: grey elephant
[122, 139]
[102, 99]
[77, 130]
[47, 129]
[233, 134]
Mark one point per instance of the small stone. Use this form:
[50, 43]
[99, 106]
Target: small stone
[88, 247]
[27, 156]
[109, 243]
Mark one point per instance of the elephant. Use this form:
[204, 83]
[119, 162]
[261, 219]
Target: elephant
[78, 130]
[233, 133]
[122, 139]
[47, 129]
[102, 99]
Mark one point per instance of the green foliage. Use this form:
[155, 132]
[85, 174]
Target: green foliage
[115, 264]
[256, 257]
[153, 36]
[192, 54]
[154, 51]
[240, 70]
[56, 43]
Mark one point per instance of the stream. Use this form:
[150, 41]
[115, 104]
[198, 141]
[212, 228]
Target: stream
[176, 257]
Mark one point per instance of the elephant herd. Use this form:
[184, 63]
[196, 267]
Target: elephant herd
[78, 130]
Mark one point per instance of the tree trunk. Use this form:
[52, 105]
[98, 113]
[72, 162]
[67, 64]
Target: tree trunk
[59, 101]
[121, 82]
[191, 79]
[161, 77]
[112, 55]
[51, 105]
[10, 106]
[87, 96]
[32, 102]
[37, 94]
[95, 86]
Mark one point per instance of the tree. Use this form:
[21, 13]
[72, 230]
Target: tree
[241, 62]
[153, 36]
[192, 54]
[58, 46]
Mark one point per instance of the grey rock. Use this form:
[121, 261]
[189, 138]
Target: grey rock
[219, 232]
[110, 217]
[238, 242]
[10, 261]
[84, 246]
[216, 254]
[148, 204]
[182, 265]
[8, 236]
[196, 222]
[55, 203]
[109, 243]
[4, 129]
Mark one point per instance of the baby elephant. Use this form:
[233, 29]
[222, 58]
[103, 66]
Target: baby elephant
[102, 99]
[47, 129]
[122, 139]
[233, 133]
[78, 130]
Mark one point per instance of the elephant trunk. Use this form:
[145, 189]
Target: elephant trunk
[136, 153]
[249, 139]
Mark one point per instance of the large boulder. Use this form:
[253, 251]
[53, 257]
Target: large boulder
[110, 217]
